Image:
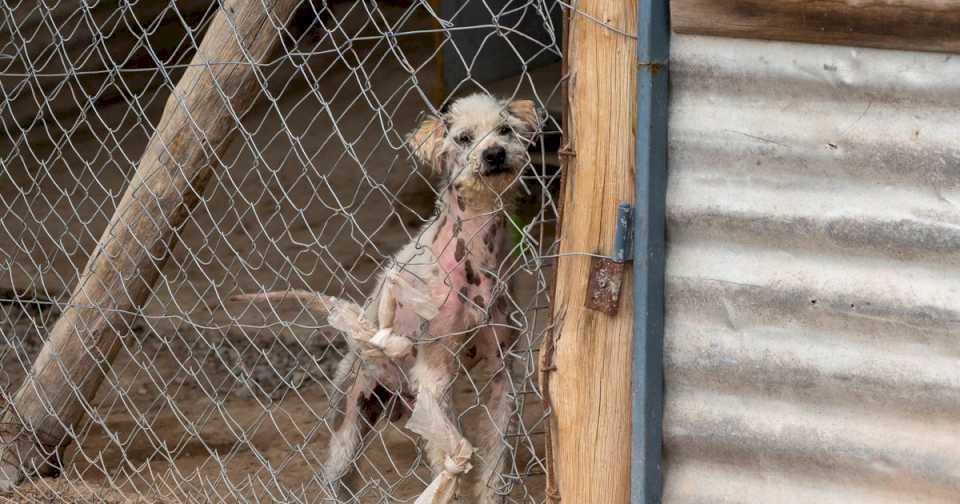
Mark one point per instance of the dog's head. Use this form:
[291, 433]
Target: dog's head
[480, 143]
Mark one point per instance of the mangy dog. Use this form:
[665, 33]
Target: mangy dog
[440, 306]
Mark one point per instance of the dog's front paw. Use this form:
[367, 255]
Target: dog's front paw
[391, 345]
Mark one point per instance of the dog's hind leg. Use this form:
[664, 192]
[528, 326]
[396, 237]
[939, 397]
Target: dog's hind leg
[496, 414]
[363, 404]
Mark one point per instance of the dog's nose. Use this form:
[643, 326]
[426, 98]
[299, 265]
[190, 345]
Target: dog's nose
[495, 156]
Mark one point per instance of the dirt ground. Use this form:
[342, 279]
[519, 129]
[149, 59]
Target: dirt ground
[214, 401]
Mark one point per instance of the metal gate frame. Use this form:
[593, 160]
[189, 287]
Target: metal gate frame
[649, 233]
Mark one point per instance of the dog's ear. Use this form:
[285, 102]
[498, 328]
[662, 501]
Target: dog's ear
[425, 140]
[526, 111]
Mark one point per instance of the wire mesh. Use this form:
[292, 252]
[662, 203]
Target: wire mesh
[216, 400]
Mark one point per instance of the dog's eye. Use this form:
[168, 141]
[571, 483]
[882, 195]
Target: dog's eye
[463, 139]
[504, 130]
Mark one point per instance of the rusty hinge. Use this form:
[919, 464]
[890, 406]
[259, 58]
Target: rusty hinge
[606, 273]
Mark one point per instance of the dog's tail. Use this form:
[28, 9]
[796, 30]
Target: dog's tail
[317, 303]
[349, 317]
[343, 315]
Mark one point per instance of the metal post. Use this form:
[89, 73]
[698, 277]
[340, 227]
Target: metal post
[653, 41]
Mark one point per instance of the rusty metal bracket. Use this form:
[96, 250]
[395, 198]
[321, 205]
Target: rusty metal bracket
[606, 273]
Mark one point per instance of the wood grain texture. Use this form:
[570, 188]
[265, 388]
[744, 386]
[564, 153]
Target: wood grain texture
[926, 25]
[120, 275]
[589, 389]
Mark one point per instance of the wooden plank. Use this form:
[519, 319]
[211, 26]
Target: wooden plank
[926, 25]
[119, 277]
[589, 385]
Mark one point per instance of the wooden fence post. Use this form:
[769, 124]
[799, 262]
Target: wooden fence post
[589, 383]
[119, 277]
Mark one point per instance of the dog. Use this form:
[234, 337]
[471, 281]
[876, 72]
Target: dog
[440, 306]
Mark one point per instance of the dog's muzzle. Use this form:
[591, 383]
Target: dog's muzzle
[495, 161]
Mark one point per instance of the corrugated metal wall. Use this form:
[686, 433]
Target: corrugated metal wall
[813, 277]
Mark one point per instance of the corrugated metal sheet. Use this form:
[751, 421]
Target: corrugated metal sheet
[813, 276]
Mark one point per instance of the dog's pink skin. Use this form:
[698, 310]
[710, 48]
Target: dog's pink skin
[469, 248]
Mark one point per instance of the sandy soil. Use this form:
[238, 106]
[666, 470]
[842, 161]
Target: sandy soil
[211, 401]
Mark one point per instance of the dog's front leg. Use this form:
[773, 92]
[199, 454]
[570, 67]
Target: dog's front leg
[433, 417]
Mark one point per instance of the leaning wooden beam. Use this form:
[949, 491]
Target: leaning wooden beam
[589, 375]
[219, 85]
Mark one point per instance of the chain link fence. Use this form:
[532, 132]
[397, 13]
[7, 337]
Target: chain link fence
[215, 399]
